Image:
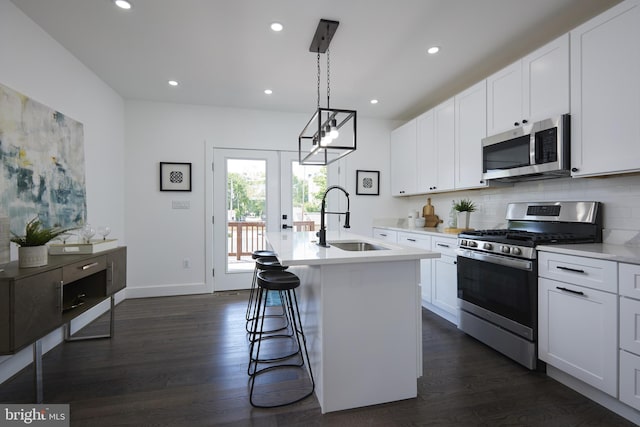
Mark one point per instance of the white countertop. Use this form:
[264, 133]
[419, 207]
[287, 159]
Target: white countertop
[618, 253]
[300, 248]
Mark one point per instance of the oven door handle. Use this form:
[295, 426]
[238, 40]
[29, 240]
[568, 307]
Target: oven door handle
[521, 264]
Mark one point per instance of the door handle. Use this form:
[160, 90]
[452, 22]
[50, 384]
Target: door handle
[285, 226]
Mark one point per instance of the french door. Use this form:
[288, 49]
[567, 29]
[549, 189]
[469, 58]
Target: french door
[255, 192]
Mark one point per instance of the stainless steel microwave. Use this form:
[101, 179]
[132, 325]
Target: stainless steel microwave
[532, 151]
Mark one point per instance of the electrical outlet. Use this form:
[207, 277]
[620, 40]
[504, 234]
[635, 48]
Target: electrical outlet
[180, 204]
[186, 263]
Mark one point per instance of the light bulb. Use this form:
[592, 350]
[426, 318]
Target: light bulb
[333, 130]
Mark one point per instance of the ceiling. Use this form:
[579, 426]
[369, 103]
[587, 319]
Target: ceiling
[223, 53]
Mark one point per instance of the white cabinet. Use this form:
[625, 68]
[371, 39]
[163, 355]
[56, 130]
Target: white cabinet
[470, 128]
[422, 241]
[629, 277]
[578, 318]
[533, 88]
[605, 92]
[403, 159]
[390, 236]
[435, 148]
[444, 293]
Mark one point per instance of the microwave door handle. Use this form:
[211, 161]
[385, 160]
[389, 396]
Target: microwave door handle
[533, 152]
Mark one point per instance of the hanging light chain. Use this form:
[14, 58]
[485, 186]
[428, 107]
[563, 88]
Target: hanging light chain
[318, 106]
[328, 79]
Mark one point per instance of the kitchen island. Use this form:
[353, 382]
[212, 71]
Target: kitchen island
[361, 313]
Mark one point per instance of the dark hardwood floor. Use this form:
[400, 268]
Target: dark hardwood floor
[181, 361]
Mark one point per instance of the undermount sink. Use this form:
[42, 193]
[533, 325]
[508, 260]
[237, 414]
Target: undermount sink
[357, 246]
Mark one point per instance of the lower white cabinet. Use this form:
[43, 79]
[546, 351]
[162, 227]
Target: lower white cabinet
[576, 332]
[421, 241]
[444, 294]
[629, 277]
[390, 236]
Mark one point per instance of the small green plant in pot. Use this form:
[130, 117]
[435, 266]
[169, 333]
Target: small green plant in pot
[32, 251]
[464, 208]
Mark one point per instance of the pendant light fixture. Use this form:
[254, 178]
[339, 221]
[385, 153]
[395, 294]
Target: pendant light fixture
[331, 132]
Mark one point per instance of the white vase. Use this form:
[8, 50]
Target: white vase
[32, 256]
[463, 219]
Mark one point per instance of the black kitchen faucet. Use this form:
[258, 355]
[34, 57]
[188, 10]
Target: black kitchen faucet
[322, 234]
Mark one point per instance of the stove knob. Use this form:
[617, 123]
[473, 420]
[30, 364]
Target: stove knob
[472, 244]
[487, 246]
[505, 249]
[516, 251]
[463, 242]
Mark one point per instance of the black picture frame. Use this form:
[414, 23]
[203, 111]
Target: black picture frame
[367, 183]
[175, 176]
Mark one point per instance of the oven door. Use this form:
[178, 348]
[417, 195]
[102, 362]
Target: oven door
[499, 289]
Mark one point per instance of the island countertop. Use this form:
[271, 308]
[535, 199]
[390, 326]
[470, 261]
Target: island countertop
[301, 248]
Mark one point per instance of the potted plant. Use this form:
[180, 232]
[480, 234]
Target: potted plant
[464, 208]
[32, 251]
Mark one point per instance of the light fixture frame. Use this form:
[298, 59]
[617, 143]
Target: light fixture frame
[322, 152]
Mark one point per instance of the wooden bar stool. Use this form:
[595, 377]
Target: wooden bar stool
[285, 283]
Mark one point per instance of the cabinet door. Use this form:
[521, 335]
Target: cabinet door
[546, 81]
[116, 271]
[403, 159]
[445, 284]
[629, 277]
[421, 241]
[630, 325]
[427, 151]
[471, 127]
[444, 116]
[605, 92]
[38, 306]
[630, 379]
[576, 333]
[504, 99]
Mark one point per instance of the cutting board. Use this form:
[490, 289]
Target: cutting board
[428, 210]
[456, 230]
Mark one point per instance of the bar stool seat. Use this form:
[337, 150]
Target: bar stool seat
[284, 282]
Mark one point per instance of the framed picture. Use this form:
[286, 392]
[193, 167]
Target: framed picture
[368, 183]
[175, 176]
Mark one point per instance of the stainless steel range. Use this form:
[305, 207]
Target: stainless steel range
[498, 272]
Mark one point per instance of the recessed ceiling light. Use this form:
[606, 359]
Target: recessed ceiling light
[277, 27]
[172, 83]
[268, 91]
[123, 4]
[374, 101]
[432, 50]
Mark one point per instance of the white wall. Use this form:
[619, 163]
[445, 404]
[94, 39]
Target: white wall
[35, 65]
[160, 237]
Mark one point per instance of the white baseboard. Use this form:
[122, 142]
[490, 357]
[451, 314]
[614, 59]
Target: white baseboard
[167, 290]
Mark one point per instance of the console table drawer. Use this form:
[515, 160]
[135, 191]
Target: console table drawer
[84, 268]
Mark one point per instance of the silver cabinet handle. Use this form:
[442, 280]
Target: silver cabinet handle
[442, 245]
[88, 266]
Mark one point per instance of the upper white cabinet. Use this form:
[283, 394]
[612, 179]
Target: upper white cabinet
[470, 128]
[435, 148]
[533, 88]
[403, 159]
[605, 92]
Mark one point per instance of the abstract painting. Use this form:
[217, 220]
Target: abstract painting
[42, 171]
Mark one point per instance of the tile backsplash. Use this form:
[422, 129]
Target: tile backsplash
[620, 196]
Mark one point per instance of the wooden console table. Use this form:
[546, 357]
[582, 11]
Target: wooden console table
[36, 301]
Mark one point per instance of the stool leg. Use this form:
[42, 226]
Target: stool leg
[297, 328]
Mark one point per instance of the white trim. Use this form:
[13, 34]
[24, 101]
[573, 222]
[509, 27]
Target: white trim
[168, 290]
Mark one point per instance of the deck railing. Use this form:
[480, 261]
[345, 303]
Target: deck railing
[245, 237]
